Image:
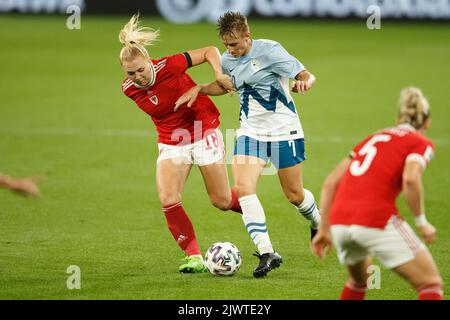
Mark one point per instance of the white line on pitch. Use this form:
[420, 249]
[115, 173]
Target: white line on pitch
[151, 133]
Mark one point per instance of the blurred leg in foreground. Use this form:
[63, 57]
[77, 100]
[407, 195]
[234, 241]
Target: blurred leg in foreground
[25, 186]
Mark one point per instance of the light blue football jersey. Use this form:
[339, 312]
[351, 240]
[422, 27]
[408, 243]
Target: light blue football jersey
[261, 78]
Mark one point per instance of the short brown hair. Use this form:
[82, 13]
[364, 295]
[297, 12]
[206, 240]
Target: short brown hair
[232, 24]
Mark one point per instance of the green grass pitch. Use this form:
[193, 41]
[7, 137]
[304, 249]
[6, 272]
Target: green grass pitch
[63, 115]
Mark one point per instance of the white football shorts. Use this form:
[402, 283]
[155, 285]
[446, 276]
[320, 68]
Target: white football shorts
[207, 151]
[393, 246]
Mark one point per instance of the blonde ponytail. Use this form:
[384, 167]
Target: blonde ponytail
[414, 108]
[135, 39]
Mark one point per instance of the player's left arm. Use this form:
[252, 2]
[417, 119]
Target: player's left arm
[322, 241]
[304, 81]
[414, 196]
[211, 55]
[286, 65]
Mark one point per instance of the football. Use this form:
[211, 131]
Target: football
[223, 259]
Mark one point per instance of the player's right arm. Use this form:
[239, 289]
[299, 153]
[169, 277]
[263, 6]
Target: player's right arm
[212, 56]
[322, 241]
[210, 89]
[414, 196]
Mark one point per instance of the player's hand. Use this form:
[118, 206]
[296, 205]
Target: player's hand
[225, 82]
[188, 98]
[321, 243]
[428, 232]
[300, 86]
[27, 186]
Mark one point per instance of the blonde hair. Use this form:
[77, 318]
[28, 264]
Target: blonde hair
[414, 108]
[135, 39]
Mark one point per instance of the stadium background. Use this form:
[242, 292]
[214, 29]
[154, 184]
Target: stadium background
[63, 115]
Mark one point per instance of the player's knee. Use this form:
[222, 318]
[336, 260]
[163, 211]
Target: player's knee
[244, 189]
[168, 198]
[295, 196]
[221, 202]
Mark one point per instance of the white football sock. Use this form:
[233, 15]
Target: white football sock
[255, 222]
[309, 210]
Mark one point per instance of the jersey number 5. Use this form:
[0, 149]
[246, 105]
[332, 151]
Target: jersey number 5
[358, 168]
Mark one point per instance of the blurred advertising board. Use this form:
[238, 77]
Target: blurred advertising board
[189, 11]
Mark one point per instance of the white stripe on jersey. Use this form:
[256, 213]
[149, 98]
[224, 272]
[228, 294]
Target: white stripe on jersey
[158, 70]
[162, 61]
[127, 82]
[418, 158]
[159, 66]
[127, 86]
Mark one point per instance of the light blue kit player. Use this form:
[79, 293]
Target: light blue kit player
[270, 127]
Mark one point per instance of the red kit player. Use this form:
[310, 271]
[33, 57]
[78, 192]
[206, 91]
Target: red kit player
[185, 137]
[359, 215]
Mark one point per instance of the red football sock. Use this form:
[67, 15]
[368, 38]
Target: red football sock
[431, 292]
[181, 228]
[353, 292]
[234, 204]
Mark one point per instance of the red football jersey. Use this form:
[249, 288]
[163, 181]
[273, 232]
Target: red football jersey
[367, 193]
[187, 124]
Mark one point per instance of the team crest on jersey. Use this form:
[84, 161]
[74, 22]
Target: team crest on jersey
[256, 64]
[154, 99]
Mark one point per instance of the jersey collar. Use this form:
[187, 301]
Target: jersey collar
[406, 126]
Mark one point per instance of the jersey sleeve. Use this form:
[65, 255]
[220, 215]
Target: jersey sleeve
[422, 151]
[224, 64]
[126, 85]
[283, 64]
[179, 63]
